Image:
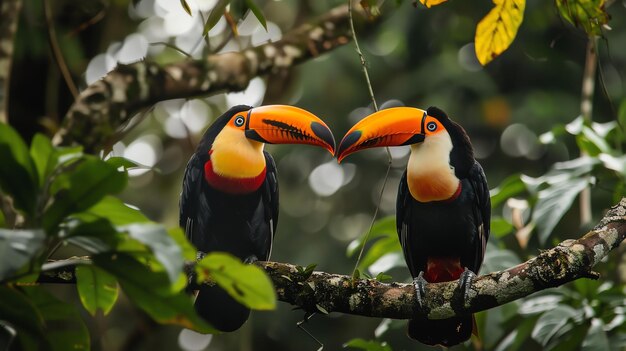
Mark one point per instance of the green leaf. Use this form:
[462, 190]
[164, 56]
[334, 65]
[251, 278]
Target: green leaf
[238, 9]
[246, 283]
[553, 203]
[42, 153]
[553, 324]
[18, 176]
[164, 248]
[590, 15]
[152, 292]
[189, 251]
[257, 12]
[185, 6]
[17, 248]
[621, 115]
[2, 220]
[497, 259]
[116, 212]
[382, 277]
[509, 187]
[81, 188]
[500, 227]
[123, 162]
[382, 228]
[518, 336]
[18, 311]
[216, 13]
[596, 338]
[64, 328]
[97, 289]
[367, 345]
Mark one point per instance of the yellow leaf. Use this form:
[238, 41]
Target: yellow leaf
[430, 3]
[497, 30]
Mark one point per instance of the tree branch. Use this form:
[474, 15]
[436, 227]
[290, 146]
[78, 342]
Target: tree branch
[9, 15]
[108, 104]
[326, 292]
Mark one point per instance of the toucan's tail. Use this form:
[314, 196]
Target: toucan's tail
[218, 308]
[444, 332]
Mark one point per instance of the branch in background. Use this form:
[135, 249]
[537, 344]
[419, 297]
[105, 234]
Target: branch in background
[325, 292]
[9, 15]
[586, 109]
[108, 104]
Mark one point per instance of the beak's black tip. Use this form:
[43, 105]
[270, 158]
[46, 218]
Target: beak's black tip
[348, 141]
[323, 133]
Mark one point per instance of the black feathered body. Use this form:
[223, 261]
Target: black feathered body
[442, 238]
[240, 224]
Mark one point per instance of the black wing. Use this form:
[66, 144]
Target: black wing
[403, 225]
[270, 196]
[190, 199]
[482, 210]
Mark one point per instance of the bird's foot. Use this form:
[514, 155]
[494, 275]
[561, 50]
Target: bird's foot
[420, 290]
[250, 259]
[465, 283]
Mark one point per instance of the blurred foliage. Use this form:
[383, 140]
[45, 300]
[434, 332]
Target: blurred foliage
[520, 111]
[68, 201]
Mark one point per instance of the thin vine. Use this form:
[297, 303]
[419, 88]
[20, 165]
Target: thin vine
[389, 159]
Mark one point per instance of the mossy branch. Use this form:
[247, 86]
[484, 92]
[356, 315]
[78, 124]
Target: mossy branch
[108, 104]
[326, 292]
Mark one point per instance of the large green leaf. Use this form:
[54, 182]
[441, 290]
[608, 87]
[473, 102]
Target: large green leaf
[164, 248]
[383, 227]
[64, 328]
[17, 170]
[97, 289]
[188, 250]
[17, 248]
[246, 283]
[590, 15]
[509, 187]
[42, 152]
[497, 259]
[596, 338]
[554, 323]
[553, 203]
[82, 187]
[18, 311]
[500, 227]
[367, 345]
[116, 212]
[514, 340]
[152, 292]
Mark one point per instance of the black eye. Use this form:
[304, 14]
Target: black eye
[239, 121]
[431, 126]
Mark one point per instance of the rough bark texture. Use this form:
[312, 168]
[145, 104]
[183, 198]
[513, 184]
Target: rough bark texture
[326, 292]
[9, 15]
[109, 103]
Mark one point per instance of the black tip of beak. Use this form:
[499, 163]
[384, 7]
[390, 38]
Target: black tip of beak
[323, 133]
[348, 141]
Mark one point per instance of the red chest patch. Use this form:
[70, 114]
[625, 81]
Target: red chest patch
[443, 269]
[232, 185]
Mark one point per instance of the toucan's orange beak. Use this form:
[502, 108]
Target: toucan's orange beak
[390, 127]
[282, 124]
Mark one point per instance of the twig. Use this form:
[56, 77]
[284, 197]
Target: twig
[389, 159]
[56, 51]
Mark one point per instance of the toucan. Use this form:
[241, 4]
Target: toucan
[229, 200]
[443, 207]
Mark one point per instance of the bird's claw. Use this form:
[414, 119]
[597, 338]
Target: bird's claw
[465, 283]
[420, 289]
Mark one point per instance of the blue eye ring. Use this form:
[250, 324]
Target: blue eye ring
[239, 121]
[431, 126]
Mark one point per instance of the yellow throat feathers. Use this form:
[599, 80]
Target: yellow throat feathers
[235, 156]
